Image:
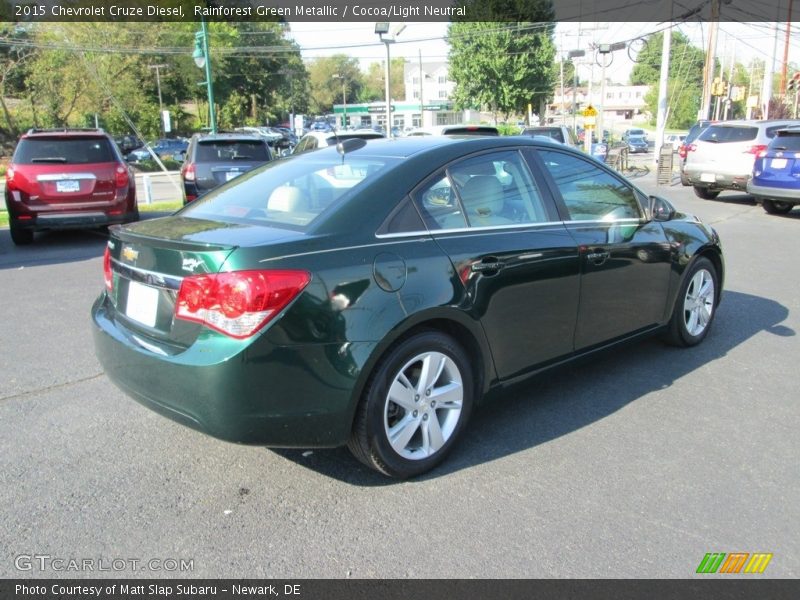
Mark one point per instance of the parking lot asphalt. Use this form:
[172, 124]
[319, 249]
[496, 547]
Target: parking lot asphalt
[634, 464]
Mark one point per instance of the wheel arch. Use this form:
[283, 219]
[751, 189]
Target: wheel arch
[467, 332]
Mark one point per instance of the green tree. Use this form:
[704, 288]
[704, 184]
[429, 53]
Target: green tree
[373, 88]
[503, 65]
[685, 83]
[324, 89]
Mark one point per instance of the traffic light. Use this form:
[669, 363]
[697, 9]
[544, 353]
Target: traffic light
[794, 82]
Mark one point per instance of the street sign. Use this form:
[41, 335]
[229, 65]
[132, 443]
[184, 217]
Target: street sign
[590, 111]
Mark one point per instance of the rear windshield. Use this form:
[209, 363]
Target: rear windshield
[639, 132]
[696, 130]
[231, 150]
[551, 132]
[786, 140]
[726, 134]
[75, 151]
[289, 193]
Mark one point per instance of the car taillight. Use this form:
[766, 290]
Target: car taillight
[108, 274]
[238, 303]
[682, 151]
[10, 179]
[121, 176]
[755, 149]
[188, 172]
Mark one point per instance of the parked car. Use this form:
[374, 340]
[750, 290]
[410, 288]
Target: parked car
[215, 159]
[174, 148]
[314, 140]
[372, 293]
[559, 133]
[636, 144]
[675, 140]
[688, 146]
[634, 132]
[776, 173]
[725, 153]
[66, 179]
[458, 129]
[565, 135]
[128, 143]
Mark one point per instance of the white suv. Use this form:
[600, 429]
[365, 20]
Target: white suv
[722, 156]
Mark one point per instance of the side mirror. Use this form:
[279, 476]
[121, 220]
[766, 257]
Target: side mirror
[660, 209]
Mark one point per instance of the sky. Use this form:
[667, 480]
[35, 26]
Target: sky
[359, 40]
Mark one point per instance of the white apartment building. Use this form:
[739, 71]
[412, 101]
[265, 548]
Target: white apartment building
[621, 102]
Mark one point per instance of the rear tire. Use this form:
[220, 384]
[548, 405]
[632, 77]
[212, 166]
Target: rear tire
[695, 305]
[705, 193]
[776, 207]
[20, 237]
[414, 407]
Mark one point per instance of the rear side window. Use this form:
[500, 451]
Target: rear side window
[64, 151]
[720, 134]
[786, 140]
[231, 150]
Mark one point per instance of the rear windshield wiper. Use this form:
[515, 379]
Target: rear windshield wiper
[49, 159]
[778, 148]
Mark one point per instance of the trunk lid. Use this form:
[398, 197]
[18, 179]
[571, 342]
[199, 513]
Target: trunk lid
[150, 259]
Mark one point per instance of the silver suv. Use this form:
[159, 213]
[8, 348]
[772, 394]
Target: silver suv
[723, 154]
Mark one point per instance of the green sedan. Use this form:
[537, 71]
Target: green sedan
[372, 293]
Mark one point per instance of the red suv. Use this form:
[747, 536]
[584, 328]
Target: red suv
[67, 178]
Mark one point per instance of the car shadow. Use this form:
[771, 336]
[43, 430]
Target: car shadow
[736, 198]
[58, 247]
[567, 399]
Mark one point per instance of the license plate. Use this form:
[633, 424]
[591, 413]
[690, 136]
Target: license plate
[68, 185]
[707, 177]
[231, 175]
[142, 303]
[778, 163]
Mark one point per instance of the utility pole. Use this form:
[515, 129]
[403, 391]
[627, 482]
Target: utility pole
[661, 117]
[769, 70]
[289, 73]
[160, 103]
[708, 70]
[784, 69]
[421, 101]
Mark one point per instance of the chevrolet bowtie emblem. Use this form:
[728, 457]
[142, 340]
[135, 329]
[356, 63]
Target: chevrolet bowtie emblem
[129, 254]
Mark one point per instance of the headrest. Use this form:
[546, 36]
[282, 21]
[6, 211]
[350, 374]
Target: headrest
[288, 198]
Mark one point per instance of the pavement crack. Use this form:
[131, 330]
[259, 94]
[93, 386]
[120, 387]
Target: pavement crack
[55, 386]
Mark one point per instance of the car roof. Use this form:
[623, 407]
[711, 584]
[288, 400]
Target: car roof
[404, 147]
[212, 137]
[65, 132]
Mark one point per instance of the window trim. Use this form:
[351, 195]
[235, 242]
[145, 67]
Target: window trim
[548, 202]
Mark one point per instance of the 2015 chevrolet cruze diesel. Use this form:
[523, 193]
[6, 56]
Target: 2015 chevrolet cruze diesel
[370, 294]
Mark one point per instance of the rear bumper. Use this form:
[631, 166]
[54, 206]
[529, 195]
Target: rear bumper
[238, 391]
[784, 194]
[703, 178]
[85, 220]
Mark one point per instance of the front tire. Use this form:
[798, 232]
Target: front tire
[414, 407]
[776, 207]
[695, 306]
[705, 193]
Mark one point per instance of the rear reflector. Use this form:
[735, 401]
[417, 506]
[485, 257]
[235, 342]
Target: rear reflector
[755, 149]
[238, 303]
[188, 171]
[108, 274]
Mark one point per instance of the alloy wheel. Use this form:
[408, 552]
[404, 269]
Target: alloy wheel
[698, 305]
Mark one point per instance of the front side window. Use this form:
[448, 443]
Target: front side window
[490, 190]
[589, 192]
